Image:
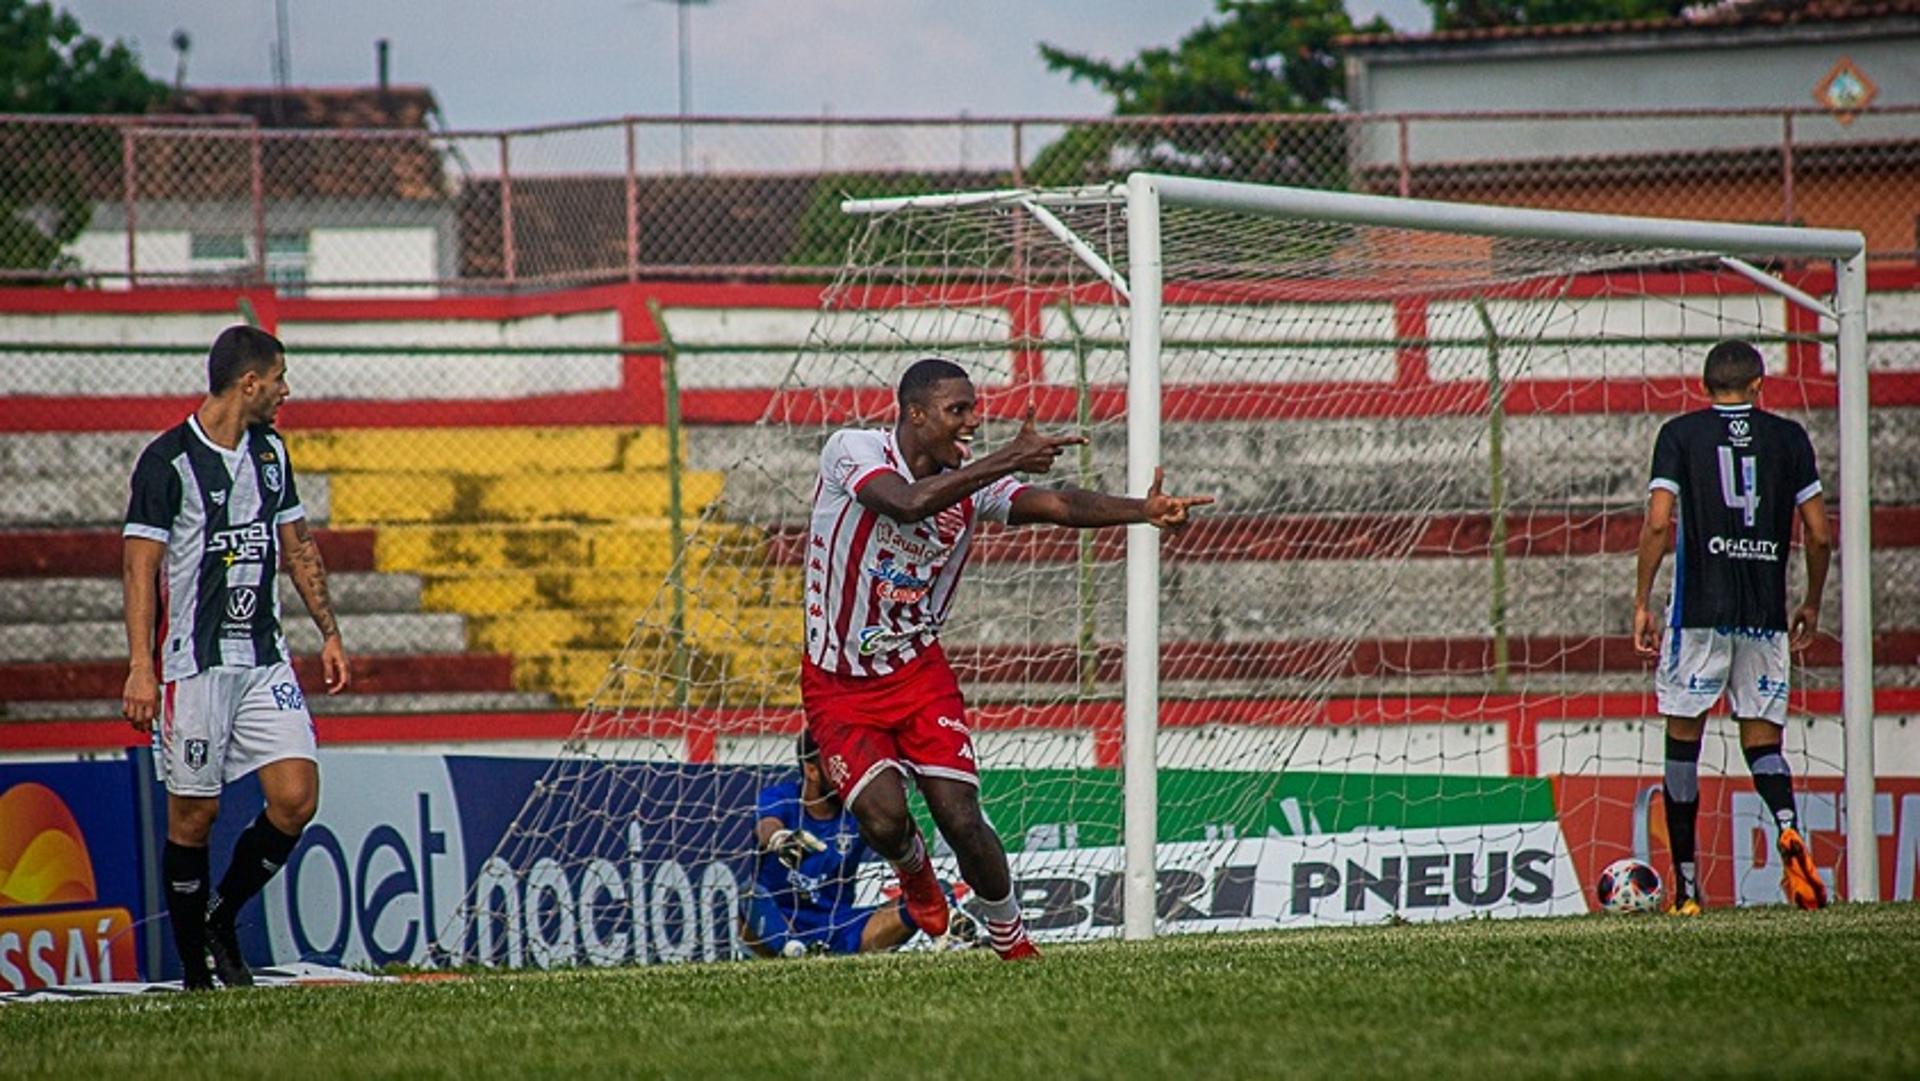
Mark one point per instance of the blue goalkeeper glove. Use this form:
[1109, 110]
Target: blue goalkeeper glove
[793, 846]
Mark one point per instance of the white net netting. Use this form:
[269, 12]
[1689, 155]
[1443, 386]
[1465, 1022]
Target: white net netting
[1396, 672]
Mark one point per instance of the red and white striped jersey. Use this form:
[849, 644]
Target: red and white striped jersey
[878, 590]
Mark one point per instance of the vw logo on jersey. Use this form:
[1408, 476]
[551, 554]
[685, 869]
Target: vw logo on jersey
[270, 474]
[240, 603]
[1738, 426]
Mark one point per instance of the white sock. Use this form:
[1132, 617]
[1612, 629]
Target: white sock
[916, 858]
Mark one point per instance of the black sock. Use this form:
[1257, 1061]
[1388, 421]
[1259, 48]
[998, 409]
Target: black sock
[257, 855]
[1774, 781]
[1681, 794]
[185, 872]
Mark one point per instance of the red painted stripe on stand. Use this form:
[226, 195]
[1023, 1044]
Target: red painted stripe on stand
[1521, 713]
[95, 553]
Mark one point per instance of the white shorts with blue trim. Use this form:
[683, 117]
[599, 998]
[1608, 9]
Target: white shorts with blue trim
[224, 723]
[1699, 664]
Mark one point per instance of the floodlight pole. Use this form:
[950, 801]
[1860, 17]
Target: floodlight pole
[1139, 765]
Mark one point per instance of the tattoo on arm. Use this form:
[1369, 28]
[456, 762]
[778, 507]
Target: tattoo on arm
[310, 578]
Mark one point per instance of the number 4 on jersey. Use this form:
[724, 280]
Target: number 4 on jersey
[1741, 490]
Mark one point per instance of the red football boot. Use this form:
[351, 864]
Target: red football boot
[926, 902]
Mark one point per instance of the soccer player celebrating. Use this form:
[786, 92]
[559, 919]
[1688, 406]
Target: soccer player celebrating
[894, 513]
[214, 507]
[1731, 479]
[810, 851]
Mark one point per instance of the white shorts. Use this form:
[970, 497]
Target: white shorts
[225, 723]
[1698, 664]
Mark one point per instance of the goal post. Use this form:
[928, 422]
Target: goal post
[1149, 196]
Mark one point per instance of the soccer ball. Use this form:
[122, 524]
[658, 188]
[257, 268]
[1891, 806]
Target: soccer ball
[1629, 886]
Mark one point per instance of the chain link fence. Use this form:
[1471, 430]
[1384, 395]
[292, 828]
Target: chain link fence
[156, 200]
[504, 466]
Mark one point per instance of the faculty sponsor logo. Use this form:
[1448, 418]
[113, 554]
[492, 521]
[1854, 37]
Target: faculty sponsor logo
[1744, 548]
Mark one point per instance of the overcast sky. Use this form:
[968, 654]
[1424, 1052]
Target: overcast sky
[498, 64]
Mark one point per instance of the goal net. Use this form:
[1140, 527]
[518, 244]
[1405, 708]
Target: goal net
[1391, 674]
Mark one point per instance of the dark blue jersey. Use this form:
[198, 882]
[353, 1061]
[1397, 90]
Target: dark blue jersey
[824, 880]
[218, 511]
[1738, 475]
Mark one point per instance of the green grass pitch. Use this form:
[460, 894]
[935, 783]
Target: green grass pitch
[1772, 992]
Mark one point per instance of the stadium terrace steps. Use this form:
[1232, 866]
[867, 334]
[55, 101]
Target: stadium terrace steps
[496, 592]
[479, 451]
[108, 709]
[554, 496]
[1355, 465]
[71, 600]
[381, 632]
[373, 674]
[552, 542]
[97, 553]
[609, 628]
[737, 677]
[644, 545]
[99, 500]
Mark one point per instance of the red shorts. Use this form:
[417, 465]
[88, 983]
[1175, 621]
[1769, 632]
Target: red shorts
[912, 720]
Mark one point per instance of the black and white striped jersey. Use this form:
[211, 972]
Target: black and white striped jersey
[218, 512]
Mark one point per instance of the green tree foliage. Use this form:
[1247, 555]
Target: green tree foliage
[47, 174]
[1258, 56]
[1483, 14]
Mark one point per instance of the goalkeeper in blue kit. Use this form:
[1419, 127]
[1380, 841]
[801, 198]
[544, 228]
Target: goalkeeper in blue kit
[810, 851]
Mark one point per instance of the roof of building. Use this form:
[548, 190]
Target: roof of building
[312, 107]
[1702, 18]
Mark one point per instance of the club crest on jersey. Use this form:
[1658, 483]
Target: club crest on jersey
[241, 603]
[196, 754]
[844, 843]
[837, 770]
[219, 497]
[270, 476]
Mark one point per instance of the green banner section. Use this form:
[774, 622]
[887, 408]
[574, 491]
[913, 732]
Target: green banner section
[1038, 809]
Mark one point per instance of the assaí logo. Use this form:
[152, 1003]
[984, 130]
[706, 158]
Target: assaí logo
[52, 930]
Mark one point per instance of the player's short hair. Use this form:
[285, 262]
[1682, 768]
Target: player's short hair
[238, 350]
[805, 749]
[922, 375]
[1732, 365]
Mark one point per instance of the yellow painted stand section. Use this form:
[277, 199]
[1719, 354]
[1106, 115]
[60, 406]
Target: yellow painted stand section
[555, 544]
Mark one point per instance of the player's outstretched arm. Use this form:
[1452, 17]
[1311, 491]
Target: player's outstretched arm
[139, 582]
[1816, 536]
[1655, 534]
[1030, 451]
[1079, 509]
[310, 579]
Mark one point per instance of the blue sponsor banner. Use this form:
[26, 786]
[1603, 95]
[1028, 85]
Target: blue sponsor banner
[616, 862]
[70, 885]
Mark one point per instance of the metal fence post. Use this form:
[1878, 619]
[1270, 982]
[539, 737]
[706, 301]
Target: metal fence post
[506, 209]
[676, 508]
[1406, 164]
[1786, 167]
[633, 208]
[129, 194]
[255, 172]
